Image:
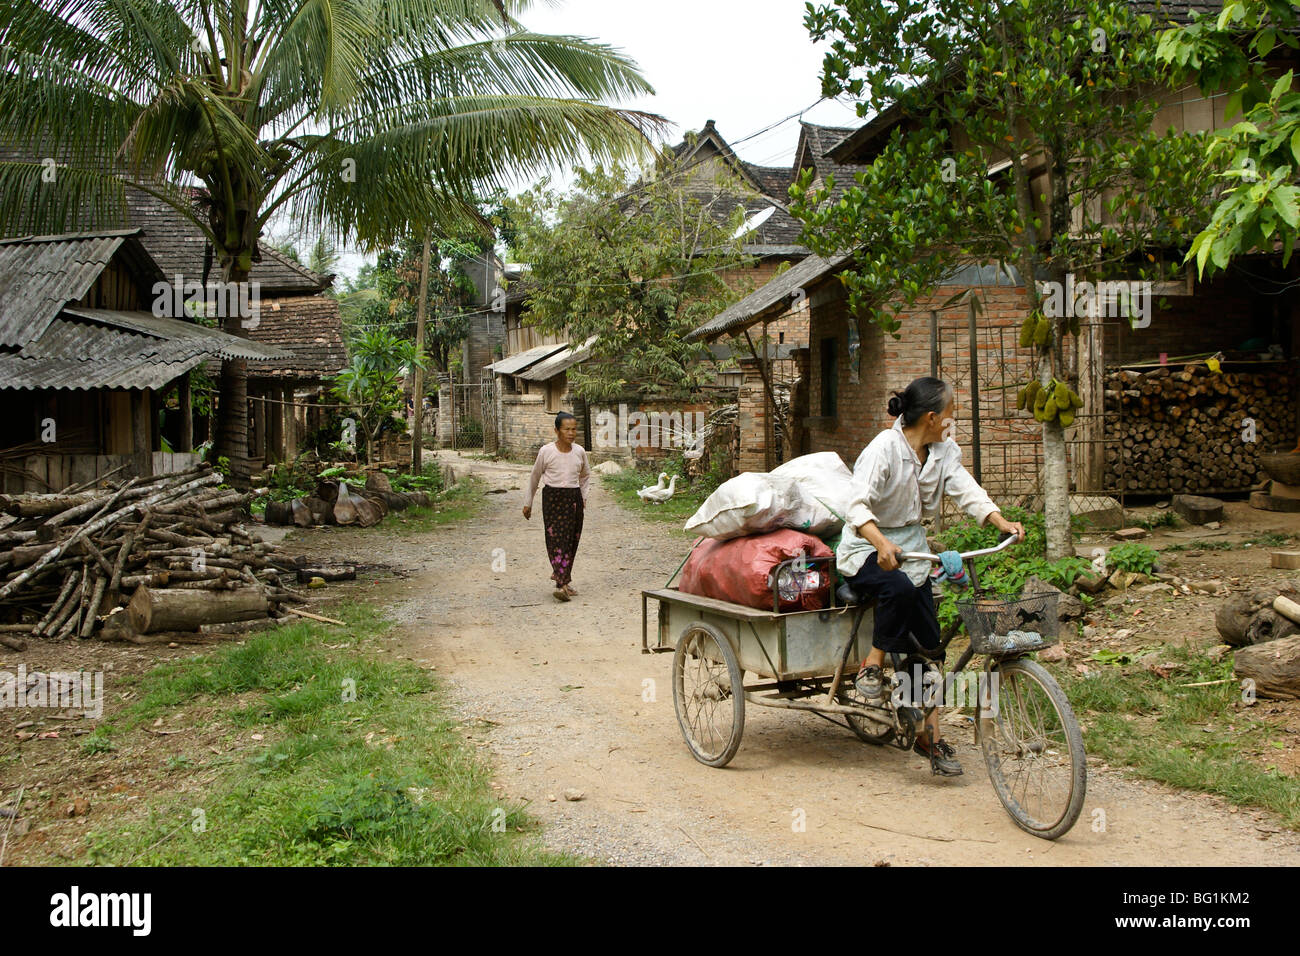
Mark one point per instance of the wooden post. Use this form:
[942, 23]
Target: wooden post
[290, 424]
[974, 389]
[186, 401]
[770, 396]
[257, 446]
[417, 389]
[934, 344]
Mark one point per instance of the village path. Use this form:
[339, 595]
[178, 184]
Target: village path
[551, 693]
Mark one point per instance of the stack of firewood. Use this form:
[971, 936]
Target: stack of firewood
[335, 502]
[1191, 429]
[161, 554]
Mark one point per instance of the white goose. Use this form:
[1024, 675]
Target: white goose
[645, 493]
[658, 496]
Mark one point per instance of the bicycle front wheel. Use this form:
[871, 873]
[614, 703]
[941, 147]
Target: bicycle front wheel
[1034, 749]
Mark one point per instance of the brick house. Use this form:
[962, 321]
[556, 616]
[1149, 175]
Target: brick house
[1249, 317]
[531, 380]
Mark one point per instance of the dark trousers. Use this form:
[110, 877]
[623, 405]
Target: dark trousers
[900, 607]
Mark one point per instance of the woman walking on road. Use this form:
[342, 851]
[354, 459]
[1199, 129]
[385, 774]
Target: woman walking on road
[564, 475]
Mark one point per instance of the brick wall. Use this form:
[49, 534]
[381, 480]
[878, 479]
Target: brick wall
[526, 424]
[487, 330]
[656, 446]
[1220, 316]
[887, 364]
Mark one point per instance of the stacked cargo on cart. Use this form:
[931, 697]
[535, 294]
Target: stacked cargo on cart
[764, 534]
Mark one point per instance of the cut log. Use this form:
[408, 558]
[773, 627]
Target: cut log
[279, 513]
[1287, 608]
[339, 573]
[1273, 667]
[184, 610]
[1197, 509]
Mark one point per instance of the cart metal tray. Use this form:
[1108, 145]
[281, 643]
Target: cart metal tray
[788, 646]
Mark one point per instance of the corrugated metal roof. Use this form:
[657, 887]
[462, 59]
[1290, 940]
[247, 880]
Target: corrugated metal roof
[105, 348]
[37, 374]
[212, 342]
[774, 297]
[557, 363]
[512, 364]
[41, 274]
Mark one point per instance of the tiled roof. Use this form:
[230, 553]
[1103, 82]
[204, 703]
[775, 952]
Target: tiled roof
[774, 181]
[57, 344]
[179, 247]
[1176, 11]
[815, 144]
[309, 327]
[768, 300]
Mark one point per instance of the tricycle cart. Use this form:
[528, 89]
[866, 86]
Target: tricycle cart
[1030, 739]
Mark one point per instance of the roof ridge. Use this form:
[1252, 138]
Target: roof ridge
[72, 236]
[323, 280]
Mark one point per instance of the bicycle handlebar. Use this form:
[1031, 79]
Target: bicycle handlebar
[1006, 542]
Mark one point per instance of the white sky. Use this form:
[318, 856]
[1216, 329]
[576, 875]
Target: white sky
[745, 64]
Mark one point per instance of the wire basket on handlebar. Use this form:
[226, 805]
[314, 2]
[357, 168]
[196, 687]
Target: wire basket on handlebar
[1004, 624]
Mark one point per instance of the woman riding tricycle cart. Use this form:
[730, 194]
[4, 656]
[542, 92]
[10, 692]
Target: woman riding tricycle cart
[1027, 732]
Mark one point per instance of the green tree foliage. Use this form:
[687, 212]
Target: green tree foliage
[366, 118]
[1260, 206]
[1055, 93]
[390, 298]
[637, 265]
[369, 382]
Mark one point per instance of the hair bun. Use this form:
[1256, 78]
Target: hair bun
[895, 406]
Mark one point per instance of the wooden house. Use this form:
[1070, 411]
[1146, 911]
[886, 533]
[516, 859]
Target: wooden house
[87, 361]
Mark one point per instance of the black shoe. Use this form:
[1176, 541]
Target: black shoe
[870, 683]
[943, 759]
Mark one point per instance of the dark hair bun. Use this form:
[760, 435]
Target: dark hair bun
[895, 406]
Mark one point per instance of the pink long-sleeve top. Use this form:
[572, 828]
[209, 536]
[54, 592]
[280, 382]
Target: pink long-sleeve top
[560, 470]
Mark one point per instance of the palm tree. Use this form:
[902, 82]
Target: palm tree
[369, 119]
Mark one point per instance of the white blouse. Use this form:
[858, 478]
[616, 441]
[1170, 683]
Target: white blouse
[893, 489]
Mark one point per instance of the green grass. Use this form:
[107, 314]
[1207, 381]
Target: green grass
[1188, 737]
[461, 501]
[386, 778]
[1163, 519]
[1270, 540]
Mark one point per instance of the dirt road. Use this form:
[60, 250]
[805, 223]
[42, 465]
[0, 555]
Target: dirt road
[553, 694]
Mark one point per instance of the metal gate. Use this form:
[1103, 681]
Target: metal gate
[488, 411]
[467, 401]
[984, 363]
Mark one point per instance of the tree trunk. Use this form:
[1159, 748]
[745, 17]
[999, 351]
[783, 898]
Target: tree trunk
[231, 439]
[417, 390]
[1056, 493]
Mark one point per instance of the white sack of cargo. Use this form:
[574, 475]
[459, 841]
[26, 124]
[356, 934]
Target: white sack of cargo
[757, 502]
[824, 480]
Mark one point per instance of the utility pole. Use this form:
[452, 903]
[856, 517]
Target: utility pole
[417, 396]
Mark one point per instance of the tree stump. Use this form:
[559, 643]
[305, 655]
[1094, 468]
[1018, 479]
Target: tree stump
[1197, 509]
[1274, 667]
[1246, 619]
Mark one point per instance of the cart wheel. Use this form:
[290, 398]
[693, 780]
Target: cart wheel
[1034, 750]
[868, 731]
[708, 694]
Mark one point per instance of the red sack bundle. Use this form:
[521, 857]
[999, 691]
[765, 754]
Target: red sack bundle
[740, 570]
